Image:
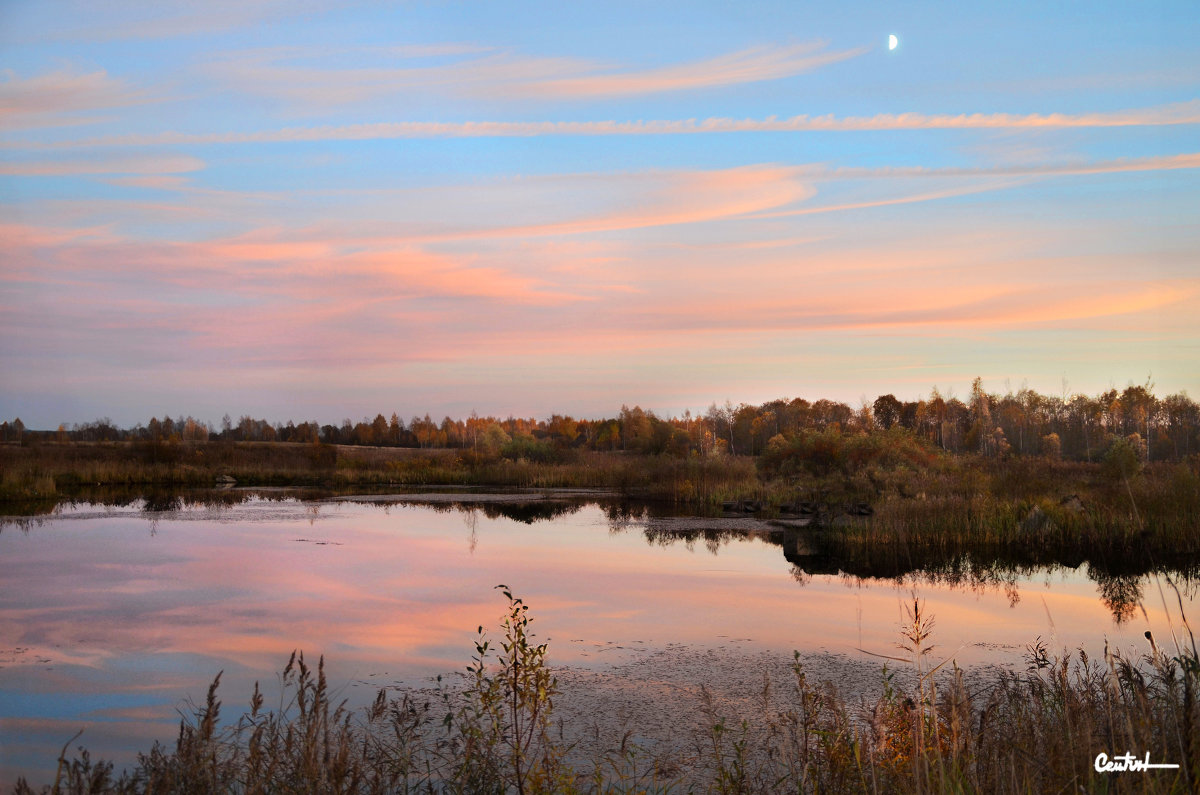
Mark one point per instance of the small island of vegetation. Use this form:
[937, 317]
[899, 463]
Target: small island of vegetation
[1120, 469]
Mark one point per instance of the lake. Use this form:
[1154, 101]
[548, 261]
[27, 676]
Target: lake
[112, 616]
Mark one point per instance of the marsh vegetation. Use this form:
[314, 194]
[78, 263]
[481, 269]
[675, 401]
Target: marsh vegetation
[872, 496]
[1008, 447]
[1038, 730]
[940, 491]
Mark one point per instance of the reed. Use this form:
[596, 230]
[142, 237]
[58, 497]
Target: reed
[1035, 731]
[49, 469]
[927, 497]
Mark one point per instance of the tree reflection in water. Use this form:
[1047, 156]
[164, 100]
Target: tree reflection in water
[1121, 579]
[1121, 575]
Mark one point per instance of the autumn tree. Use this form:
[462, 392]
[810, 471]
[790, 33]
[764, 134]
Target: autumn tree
[424, 429]
[475, 426]
[762, 428]
[886, 409]
[451, 433]
[797, 415]
[979, 437]
[194, 430]
[306, 433]
[635, 428]
[493, 438]
[743, 428]
[828, 413]
[1138, 410]
[379, 429]
[956, 424]
[1182, 418]
[935, 417]
[563, 430]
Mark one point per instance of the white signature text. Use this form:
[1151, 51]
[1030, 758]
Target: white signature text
[1127, 763]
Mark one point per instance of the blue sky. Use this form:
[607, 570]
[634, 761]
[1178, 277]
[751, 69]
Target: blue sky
[322, 210]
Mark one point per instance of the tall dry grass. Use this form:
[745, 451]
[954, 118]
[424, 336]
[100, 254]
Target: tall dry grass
[932, 500]
[1040, 730]
[50, 470]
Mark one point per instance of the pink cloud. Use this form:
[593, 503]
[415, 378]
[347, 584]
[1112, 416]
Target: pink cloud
[26, 236]
[289, 299]
[504, 209]
[275, 73]
[157, 182]
[269, 265]
[412, 272]
[505, 218]
[746, 66]
[242, 250]
[902, 301]
[947, 193]
[165, 20]
[672, 198]
[134, 164]
[55, 97]
[1077, 167]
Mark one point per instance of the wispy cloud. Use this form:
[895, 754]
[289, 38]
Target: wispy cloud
[267, 265]
[1001, 305]
[296, 75]
[1178, 113]
[299, 297]
[653, 199]
[752, 65]
[156, 182]
[986, 178]
[133, 19]
[133, 164]
[60, 98]
[285, 74]
[1184, 113]
[1156, 163]
[511, 208]
[912, 198]
[29, 237]
[895, 302]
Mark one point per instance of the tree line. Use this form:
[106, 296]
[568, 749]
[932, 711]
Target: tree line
[1024, 423]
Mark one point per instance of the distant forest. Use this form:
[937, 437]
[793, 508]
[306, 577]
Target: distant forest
[1024, 423]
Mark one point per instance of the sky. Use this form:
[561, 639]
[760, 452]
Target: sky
[323, 210]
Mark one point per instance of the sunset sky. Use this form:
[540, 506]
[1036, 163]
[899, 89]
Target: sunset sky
[318, 210]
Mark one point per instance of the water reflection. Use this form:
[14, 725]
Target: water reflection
[1119, 578]
[526, 512]
[1120, 581]
[1122, 594]
[106, 626]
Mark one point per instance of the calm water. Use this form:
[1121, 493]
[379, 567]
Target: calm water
[111, 617]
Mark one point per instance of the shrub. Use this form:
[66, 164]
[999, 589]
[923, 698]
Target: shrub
[1122, 460]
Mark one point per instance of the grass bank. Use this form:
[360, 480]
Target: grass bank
[50, 470]
[919, 498]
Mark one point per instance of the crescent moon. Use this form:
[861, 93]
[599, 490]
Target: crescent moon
[893, 41]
